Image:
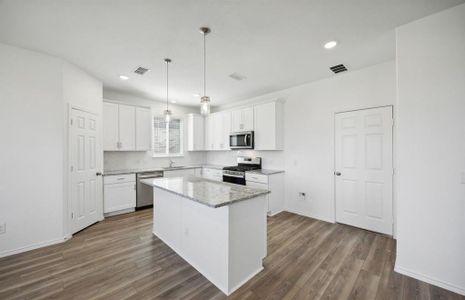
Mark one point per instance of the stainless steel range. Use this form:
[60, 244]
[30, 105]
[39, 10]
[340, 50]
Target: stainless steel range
[236, 174]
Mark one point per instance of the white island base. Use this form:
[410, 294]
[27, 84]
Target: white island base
[225, 244]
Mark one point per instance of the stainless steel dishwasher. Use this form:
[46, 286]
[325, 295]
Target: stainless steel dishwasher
[145, 192]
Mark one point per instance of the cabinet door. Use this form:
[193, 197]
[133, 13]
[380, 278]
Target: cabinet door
[226, 130]
[247, 119]
[236, 120]
[209, 132]
[195, 132]
[119, 196]
[127, 127]
[265, 126]
[110, 127]
[261, 186]
[143, 129]
[217, 131]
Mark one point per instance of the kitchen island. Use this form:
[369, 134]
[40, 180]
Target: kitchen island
[218, 228]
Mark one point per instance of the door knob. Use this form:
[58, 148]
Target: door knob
[98, 174]
[337, 173]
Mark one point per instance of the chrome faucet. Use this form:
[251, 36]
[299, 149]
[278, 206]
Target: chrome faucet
[171, 163]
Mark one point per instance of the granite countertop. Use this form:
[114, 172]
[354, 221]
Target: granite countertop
[133, 171]
[211, 193]
[266, 171]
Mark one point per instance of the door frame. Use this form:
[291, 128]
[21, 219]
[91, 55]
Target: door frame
[67, 207]
[394, 165]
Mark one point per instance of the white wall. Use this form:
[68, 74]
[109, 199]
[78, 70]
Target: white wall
[308, 156]
[35, 90]
[140, 160]
[431, 149]
[32, 149]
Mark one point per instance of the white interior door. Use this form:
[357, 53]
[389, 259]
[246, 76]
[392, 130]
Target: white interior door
[86, 185]
[363, 149]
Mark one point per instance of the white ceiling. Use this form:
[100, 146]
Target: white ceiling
[274, 43]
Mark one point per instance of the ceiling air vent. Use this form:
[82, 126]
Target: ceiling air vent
[338, 69]
[141, 70]
[237, 76]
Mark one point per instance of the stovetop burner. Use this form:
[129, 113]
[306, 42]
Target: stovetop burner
[242, 168]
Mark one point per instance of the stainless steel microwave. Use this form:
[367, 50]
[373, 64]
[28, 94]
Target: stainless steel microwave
[241, 140]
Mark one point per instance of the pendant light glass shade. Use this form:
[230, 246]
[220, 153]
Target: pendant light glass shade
[167, 112]
[205, 100]
[205, 105]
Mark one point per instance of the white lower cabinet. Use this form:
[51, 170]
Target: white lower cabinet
[273, 183]
[212, 174]
[180, 173]
[119, 193]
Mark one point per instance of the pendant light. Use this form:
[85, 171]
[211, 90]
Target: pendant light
[167, 112]
[205, 100]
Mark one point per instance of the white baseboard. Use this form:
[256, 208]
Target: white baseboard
[32, 247]
[430, 280]
[310, 216]
[232, 290]
[119, 212]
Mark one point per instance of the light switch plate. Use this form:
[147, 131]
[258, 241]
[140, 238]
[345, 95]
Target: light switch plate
[3, 228]
[463, 177]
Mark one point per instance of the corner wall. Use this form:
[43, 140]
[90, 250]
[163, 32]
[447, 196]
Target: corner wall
[32, 149]
[308, 156]
[431, 149]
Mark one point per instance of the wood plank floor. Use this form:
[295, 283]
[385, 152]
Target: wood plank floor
[119, 258]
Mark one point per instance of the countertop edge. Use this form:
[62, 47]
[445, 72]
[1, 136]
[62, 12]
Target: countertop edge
[264, 192]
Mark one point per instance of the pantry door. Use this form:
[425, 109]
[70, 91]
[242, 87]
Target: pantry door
[85, 161]
[363, 168]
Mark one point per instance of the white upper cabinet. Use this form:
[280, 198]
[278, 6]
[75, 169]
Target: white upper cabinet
[242, 120]
[268, 119]
[126, 127]
[110, 127]
[226, 130]
[143, 129]
[209, 133]
[195, 132]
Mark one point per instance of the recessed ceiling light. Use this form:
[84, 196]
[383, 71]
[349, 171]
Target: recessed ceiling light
[330, 44]
[196, 95]
[123, 77]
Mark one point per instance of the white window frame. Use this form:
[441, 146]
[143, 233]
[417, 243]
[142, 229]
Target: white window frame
[181, 133]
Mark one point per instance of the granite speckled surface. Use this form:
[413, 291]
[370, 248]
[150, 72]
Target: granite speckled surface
[208, 192]
[266, 171]
[133, 171]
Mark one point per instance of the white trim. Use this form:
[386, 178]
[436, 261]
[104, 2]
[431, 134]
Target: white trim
[124, 103]
[232, 290]
[311, 216]
[430, 280]
[32, 247]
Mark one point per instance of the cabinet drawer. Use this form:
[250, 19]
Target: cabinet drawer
[256, 178]
[119, 178]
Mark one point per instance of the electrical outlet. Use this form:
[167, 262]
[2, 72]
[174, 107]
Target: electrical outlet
[3, 228]
[302, 195]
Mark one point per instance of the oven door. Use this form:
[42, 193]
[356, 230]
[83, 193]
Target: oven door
[234, 179]
[243, 140]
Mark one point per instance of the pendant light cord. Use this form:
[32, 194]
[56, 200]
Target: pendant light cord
[204, 64]
[167, 78]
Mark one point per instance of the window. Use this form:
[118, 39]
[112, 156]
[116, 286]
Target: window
[167, 137]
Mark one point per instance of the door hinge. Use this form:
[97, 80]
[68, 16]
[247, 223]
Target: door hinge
[71, 169]
[71, 122]
[72, 215]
